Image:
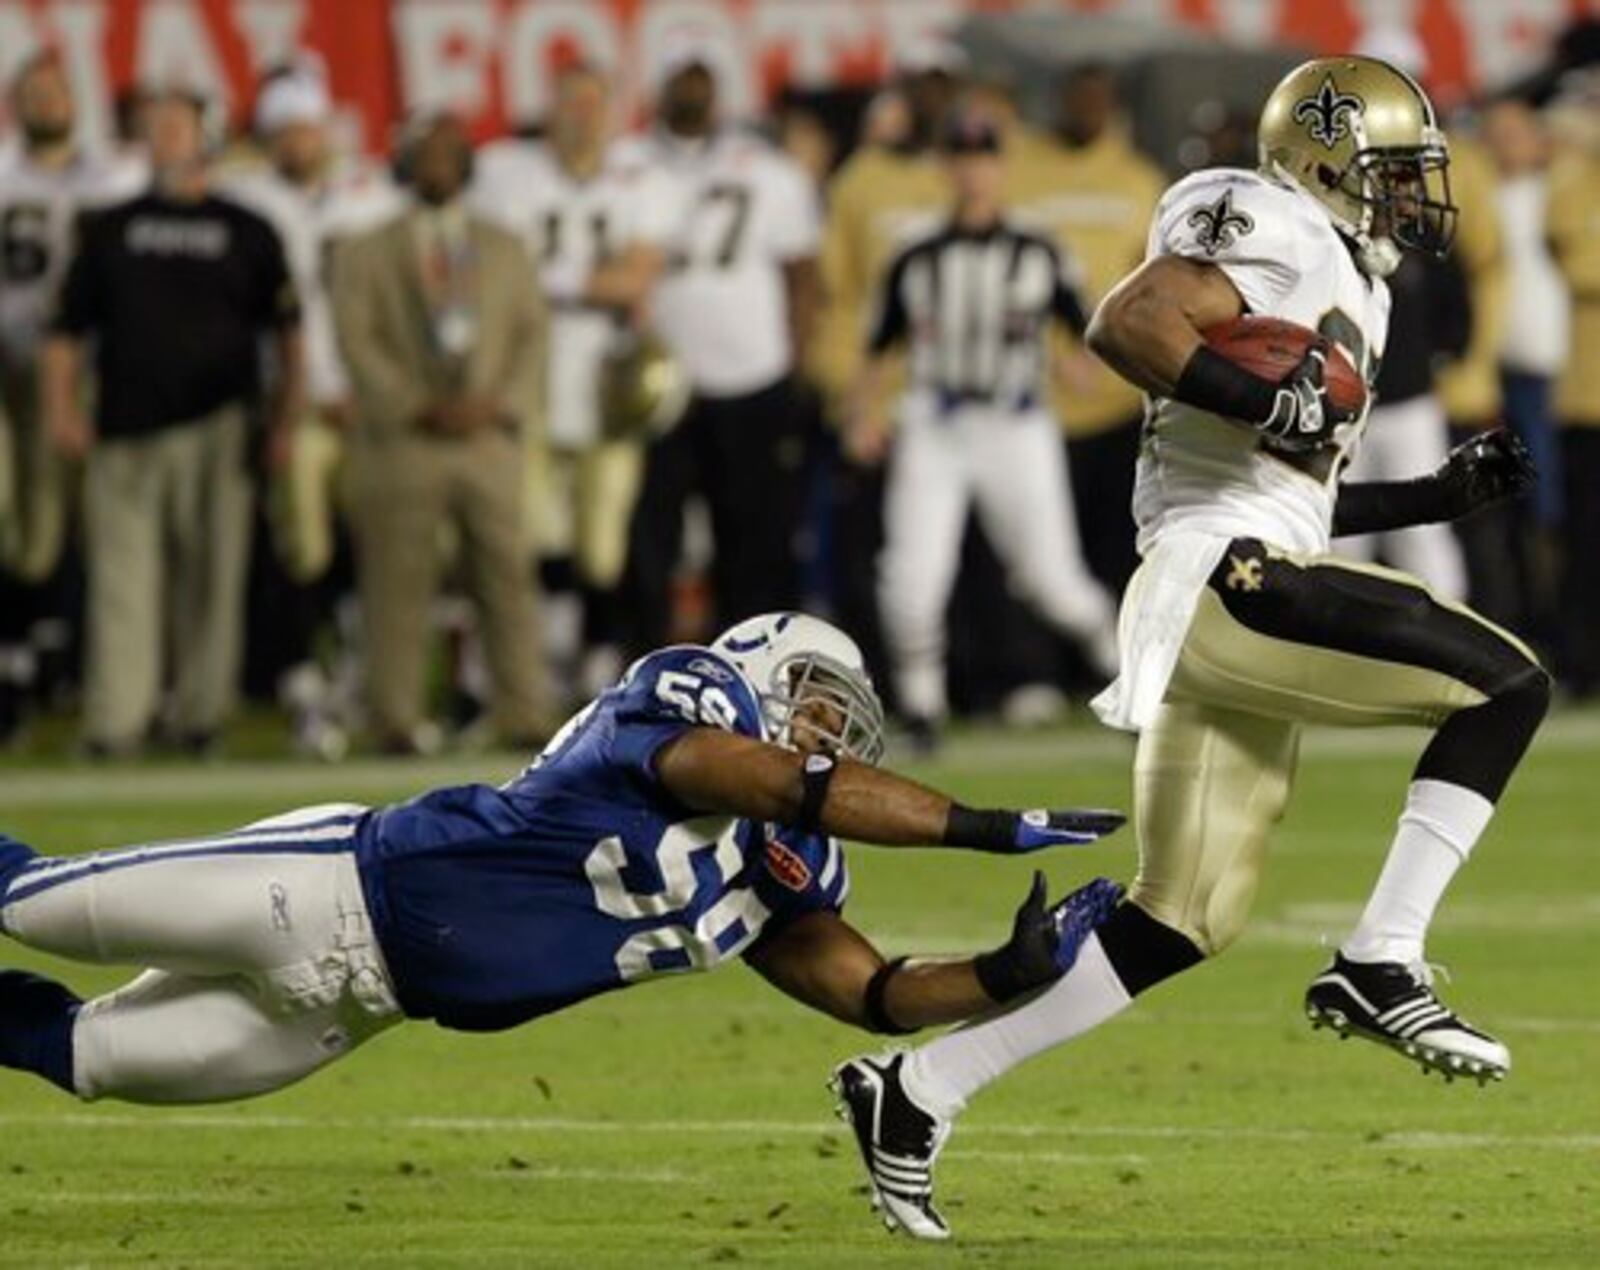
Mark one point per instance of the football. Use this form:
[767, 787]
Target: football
[1271, 348]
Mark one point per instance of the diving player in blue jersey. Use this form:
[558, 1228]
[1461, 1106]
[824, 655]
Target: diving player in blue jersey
[686, 817]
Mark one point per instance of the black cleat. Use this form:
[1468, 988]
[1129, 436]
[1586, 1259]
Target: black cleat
[1395, 1005]
[899, 1142]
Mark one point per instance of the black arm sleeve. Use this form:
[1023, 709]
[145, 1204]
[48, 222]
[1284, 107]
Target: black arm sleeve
[1373, 507]
[279, 299]
[79, 302]
[1066, 301]
[891, 322]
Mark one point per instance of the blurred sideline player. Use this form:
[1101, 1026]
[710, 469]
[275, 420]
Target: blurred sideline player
[974, 299]
[1469, 385]
[1099, 196]
[889, 187]
[1570, 229]
[315, 200]
[1091, 193]
[1240, 627]
[1089, 205]
[599, 227]
[682, 819]
[882, 194]
[44, 187]
[736, 307]
[1433, 319]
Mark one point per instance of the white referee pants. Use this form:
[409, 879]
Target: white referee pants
[263, 966]
[1014, 468]
[1405, 440]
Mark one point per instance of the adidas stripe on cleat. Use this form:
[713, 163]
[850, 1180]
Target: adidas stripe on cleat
[1395, 1005]
[898, 1140]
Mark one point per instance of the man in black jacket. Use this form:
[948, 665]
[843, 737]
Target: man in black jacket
[173, 290]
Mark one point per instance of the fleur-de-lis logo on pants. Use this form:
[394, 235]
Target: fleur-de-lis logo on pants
[1327, 115]
[1244, 574]
[1219, 223]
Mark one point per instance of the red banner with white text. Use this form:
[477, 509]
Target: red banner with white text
[491, 58]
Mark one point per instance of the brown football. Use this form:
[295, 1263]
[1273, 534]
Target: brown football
[1271, 348]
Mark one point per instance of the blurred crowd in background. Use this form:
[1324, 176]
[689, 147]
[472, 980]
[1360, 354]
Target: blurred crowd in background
[423, 451]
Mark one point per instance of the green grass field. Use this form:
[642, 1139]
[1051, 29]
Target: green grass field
[685, 1122]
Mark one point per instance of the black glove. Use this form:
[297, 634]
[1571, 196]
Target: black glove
[1045, 938]
[1490, 467]
[1303, 418]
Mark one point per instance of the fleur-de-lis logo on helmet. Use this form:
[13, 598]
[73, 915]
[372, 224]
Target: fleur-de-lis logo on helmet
[1219, 223]
[1327, 115]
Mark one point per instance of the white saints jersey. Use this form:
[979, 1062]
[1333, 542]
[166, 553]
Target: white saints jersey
[38, 209]
[723, 308]
[1280, 250]
[311, 220]
[571, 225]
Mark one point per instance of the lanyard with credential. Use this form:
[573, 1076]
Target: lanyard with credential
[452, 275]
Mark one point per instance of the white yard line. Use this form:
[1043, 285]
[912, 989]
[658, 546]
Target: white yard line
[164, 1198]
[801, 1128]
[1085, 1158]
[559, 1173]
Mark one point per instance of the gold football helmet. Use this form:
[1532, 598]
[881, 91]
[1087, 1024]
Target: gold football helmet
[644, 389]
[1360, 137]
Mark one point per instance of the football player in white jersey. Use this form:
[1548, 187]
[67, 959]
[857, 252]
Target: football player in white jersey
[1240, 627]
[315, 199]
[47, 184]
[737, 307]
[599, 223]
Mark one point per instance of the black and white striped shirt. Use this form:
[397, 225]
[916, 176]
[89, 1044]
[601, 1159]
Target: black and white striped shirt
[975, 307]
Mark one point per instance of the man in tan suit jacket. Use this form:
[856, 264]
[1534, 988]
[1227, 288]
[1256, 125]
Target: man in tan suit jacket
[443, 335]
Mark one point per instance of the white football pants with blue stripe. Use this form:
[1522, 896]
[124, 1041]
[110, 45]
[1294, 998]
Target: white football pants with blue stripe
[262, 966]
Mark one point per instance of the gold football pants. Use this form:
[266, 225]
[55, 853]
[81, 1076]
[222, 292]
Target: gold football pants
[582, 502]
[34, 487]
[1278, 641]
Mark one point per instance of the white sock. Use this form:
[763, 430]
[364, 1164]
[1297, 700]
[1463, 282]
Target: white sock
[1438, 828]
[948, 1070]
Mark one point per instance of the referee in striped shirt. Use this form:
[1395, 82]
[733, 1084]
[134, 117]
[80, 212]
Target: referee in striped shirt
[972, 301]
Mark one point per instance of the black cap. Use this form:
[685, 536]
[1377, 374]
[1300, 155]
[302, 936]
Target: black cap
[966, 132]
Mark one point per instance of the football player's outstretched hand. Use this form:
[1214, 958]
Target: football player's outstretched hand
[1017, 832]
[1077, 917]
[1493, 465]
[1045, 938]
[1075, 827]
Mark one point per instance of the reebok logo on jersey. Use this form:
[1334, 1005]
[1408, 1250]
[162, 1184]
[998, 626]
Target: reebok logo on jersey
[1218, 224]
[714, 671]
[1326, 115]
[787, 866]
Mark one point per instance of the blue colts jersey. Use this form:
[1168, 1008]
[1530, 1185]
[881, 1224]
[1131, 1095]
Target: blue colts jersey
[496, 905]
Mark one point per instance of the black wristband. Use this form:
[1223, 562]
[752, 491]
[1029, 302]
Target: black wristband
[816, 774]
[980, 830]
[1211, 382]
[1000, 976]
[877, 1013]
